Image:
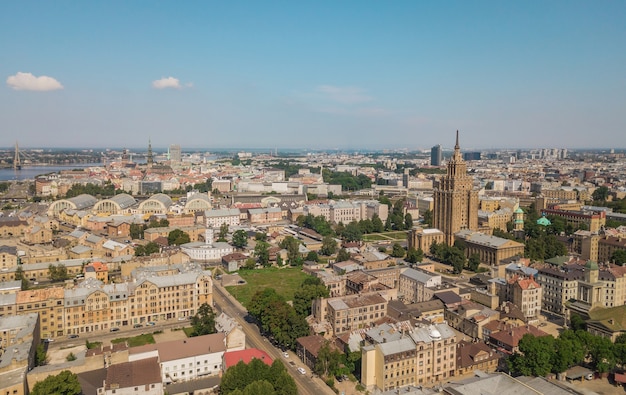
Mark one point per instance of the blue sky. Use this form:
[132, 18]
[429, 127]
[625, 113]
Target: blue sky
[323, 74]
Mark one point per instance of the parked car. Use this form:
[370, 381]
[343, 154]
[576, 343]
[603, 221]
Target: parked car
[114, 329]
[137, 325]
[286, 354]
[72, 336]
[151, 323]
[301, 370]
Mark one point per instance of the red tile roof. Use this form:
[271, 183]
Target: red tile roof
[232, 358]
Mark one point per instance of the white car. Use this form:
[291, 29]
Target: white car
[301, 370]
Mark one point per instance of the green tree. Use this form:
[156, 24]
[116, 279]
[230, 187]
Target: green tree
[329, 246]
[40, 355]
[414, 256]
[258, 378]
[428, 218]
[473, 262]
[312, 256]
[619, 257]
[223, 233]
[19, 276]
[177, 237]
[310, 289]
[600, 194]
[343, 255]
[397, 251]
[262, 252]
[328, 361]
[240, 238]
[136, 231]
[377, 224]
[58, 272]
[352, 232]
[408, 221]
[535, 356]
[64, 383]
[260, 236]
[292, 245]
[203, 323]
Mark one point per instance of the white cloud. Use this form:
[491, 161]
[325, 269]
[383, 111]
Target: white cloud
[344, 94]
[166, 82]
[28, 82]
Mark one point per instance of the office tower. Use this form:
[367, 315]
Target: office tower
[455, 200]
[436, 156]
[175, 153]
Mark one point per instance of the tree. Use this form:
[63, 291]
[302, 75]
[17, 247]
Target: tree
[377, 224]
[619, 257]
[240, 238]
[397, 251]
[535, 356]
[58, 272]
[292, 245]
[312, 256]
[600, 194]
[19, 276]
[473, 262]
[343, 255]
[329, 246]
[310, 289]
[260, 236]
[177, 237]
[408, 221]
[258, 378]
[136, 231]
[414, 256]
[262, 252]
[64, 383]
[223, 233]
[40, 355]
[352, 232]
[203, 323]
[428, 217]
[328, 361]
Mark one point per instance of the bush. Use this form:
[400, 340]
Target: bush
[70, 357]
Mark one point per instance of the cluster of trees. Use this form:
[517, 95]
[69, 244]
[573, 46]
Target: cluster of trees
[277, 319]
[137, 230]
[148, 249]
[240, 238]
[203, 323]
[347, 181]
[455, 256]
[292, 245]
[330, 362]
[539, 356]
[310, 289]
[107, 189]
[177, 237]
[65, 383]
[541, 241]
[20, 276]
[58, 272]
[258, 378]
[414, 255]
[397, 220]
[4, 186]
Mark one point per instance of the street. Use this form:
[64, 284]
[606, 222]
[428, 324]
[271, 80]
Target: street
[306, 385]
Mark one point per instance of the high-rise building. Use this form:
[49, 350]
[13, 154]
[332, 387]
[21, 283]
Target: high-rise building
[150, 159]
[436, 155]
[455, 200]
[175, 153]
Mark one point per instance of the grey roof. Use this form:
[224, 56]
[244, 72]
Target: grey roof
[8, 299]
[417, 275]
[8, 285]
[83, 201]
[124, 200]
[429, 333]
[162, 198]
[397, 346]
[226, 212]
[483, 239]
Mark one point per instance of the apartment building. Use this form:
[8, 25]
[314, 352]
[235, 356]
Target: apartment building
[416, 286]
[394, 358]
[527, 295]
[348, 313]
[19, 338]
[560, 284]
[8, 257]
[216, 218]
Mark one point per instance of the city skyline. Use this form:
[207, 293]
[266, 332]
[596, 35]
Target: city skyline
[361, 75]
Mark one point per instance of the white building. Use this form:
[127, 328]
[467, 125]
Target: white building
[216, 218]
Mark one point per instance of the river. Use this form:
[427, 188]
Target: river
[30, 172]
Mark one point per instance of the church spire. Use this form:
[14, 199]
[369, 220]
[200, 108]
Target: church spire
[457, 146]
[150, 159]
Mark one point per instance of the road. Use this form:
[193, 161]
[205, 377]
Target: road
[228, 304]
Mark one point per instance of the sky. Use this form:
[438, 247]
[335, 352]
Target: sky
[313, 74]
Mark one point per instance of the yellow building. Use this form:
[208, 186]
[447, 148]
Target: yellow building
[491, 249]
[420, 238]
[455, 200]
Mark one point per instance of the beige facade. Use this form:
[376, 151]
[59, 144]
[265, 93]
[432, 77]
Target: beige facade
[348, 313]
[491, 249]
[455, 200]
[420, 238]
[527, 295]
[399, 357]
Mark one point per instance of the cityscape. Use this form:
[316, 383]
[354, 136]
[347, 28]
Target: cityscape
[312, 198]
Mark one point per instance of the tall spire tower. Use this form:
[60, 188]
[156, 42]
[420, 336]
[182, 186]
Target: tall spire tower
[150, 159]
[455, 200]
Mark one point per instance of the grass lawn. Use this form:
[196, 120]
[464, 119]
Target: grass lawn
[374, 237]
[396, 235]
[188, 331]
[135, 341]
[284, 281]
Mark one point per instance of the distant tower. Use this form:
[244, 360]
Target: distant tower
[175, 153]
[405, 178]
[150, 159]
[17, 163]
[125, 156]
[455, 200]
[436, 155]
